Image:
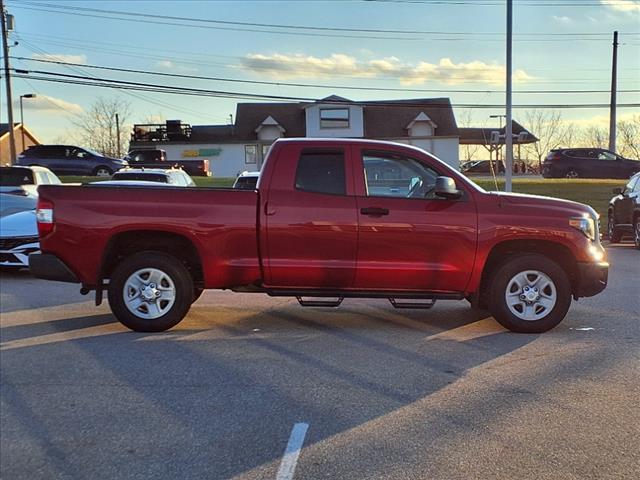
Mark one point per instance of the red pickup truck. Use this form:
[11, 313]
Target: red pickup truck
[329, 219]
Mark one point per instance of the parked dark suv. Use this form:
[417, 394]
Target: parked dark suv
[70, 160]
[623, 216]
[587, 163]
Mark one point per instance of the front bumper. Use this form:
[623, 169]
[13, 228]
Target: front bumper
[50, 267]
[18, 253]
[591, 279]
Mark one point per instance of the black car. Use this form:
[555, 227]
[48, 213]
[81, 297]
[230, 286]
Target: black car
[139, 156]
[482, 167]
[623, 217]
[587, 163]
[70, 160]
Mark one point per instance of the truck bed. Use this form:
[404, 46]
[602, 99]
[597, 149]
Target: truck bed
[221, 223]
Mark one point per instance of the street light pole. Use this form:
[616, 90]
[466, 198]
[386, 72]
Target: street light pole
[7, 78]
[26, 95]
[509, 128]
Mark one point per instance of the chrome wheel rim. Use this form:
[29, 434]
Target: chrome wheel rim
[531, 295]
[103, 172]
[572, 174]
[149, 293]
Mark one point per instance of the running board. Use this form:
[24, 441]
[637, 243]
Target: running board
[320, 303]
[427, 304]
[386, 294]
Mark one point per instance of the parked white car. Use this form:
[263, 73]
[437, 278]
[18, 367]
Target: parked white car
[246, 180]
[25, 180]
[18, 238]
[171, 176]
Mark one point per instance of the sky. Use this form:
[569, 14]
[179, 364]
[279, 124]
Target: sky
[353, 48]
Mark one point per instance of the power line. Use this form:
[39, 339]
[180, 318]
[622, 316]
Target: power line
[305, 85]
[307, 27]
[73, 42]
[134, 95]
[302, 30]
[158, 88]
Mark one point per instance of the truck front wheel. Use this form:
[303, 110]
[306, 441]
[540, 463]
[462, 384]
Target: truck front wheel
[150, 292]
[529, 294]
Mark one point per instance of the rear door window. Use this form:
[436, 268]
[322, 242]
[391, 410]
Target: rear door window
[321, 172]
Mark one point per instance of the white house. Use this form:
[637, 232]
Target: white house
[231, 149]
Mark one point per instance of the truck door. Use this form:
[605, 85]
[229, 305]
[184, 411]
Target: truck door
[409, 239]
[311, 221]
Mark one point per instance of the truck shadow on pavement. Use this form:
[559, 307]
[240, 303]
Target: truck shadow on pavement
[230, 392]
[220, 401]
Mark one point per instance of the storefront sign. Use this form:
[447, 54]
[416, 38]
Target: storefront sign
[203, 152]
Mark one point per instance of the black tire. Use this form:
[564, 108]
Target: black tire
[636, 231]
[613, 233]
[506, 272]
[102, 171]
[182, 288]
[572, 173]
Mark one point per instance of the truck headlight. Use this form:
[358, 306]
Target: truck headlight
[586, 225]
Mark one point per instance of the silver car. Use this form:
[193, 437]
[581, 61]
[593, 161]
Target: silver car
[18, 239]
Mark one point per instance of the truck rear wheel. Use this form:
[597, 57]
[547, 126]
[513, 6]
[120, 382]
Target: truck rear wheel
[529, 294]
[150, 292]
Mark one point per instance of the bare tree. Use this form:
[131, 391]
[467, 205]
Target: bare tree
[96, 128]
[468, 152]
[594, 136]
[551, 131]
[629, 137]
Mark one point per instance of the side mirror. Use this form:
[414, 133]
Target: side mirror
[617, 191]
[446, 188]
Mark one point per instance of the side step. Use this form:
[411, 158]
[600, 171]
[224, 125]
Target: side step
[320, 303]
[427, 304]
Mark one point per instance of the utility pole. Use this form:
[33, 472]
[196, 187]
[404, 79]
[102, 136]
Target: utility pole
[5, 52]
[118, 135]
[614, 87]
[508, 134]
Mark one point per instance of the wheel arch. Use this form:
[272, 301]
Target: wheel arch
[556, 252]
[125, 244]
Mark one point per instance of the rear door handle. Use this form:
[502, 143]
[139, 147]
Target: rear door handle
[374, 211]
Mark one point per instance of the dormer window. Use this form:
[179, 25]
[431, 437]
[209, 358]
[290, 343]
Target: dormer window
[334, 118]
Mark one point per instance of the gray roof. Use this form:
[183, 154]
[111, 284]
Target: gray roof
[482, 136]
[289, 115]
[382, 119]
[389, 119]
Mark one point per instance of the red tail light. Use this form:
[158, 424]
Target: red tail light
[44, 217]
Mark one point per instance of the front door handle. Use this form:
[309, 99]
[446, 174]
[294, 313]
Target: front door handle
[374, 211]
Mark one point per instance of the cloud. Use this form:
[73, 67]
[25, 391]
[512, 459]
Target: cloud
[60, 57]
[623, 5]
[47, 104]
[169, 65]
[562, 19]
[283, 67]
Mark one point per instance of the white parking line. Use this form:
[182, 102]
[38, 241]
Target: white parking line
[291, 453]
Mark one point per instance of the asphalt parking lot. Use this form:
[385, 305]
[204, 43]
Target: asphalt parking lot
[364, 391]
